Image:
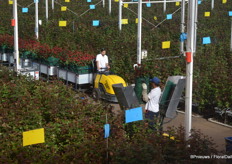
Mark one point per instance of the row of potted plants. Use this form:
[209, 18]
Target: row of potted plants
[43, 53]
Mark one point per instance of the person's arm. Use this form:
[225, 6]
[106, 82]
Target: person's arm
[107, 63]
[97, 63]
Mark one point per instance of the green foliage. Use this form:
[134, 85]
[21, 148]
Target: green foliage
[74, 128]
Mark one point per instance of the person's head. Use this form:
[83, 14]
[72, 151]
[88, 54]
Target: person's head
[103, 51]
[155, 82]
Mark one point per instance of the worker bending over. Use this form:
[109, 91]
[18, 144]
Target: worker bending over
[102, 61]
[152, 99]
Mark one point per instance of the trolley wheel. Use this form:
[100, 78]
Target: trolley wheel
[96, 94]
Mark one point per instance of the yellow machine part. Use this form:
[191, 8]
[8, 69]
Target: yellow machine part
[107, 81]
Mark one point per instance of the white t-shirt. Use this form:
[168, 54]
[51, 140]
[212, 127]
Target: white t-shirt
[103, 60]
[153, 102]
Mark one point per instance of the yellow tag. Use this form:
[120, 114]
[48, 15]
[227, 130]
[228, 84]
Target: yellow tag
[207, 14]
[125, 5]
[10, 2]
[177, 3]
[224, 1]
[165, 135]
[116, 0]
[67, 0]
[155, 18]
[124, 21]
[62, 23]
[33, 137]
[165, 44]
[63, 8]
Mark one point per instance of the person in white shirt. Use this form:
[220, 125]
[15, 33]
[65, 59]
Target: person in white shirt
[152, 99]
[102, 61]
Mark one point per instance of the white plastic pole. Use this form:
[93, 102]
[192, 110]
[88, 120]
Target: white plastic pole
[189, 69]
[231, 37]
[165, 5]
[212, 4]
[139, 43]
[195, 27]
[52, 4]
[182, 26]
[103, 3]
[109, 6]
[120, 15]
[16, 44]
[46, 3]
[36, 20]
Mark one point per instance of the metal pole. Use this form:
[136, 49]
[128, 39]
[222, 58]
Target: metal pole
[165, 6]
[231, 37]
[46, 3]
[16, 44]
[36, 20]
[182, 27]
[52, 4]
[139, 32]
[103, 3]
[189, 69]
[109, 6]
[212, 4]
[120, 15]
[195, 27]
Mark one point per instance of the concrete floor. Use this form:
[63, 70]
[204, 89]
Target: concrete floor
[213, 130]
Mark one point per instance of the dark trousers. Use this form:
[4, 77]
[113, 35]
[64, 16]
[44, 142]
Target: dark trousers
[151, 117]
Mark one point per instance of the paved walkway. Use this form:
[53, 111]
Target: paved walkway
[213, 130]
[217, 132]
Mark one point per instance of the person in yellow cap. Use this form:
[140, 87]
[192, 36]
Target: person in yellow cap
[152, 99]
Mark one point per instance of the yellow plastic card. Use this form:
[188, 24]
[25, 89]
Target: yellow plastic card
[165, 44]
[67, 0]
[124, 21]
[10, 2]
[177, 3]
[33, 137]
[125, 5]
[224, 1]
[155, 18]
[116, 0]
[137, 20]
[207, 14]
[165, 135]
[63, 8]
[62, 23]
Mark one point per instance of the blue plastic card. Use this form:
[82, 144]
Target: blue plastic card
[206, 40]
[169, 16]
[25, 10]
[230, 13]
[183, 37]
[199, 2]
[134, 114]
[89, 0]
[95, 22]
[107, 130]
[92, 6]
[36, 1]
[148, 4]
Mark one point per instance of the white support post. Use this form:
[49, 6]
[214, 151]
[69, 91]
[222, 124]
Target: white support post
[16, 44]
[195, 27]
[189, 68]
[36, 20]
[182, 26]
[52, 4]
[212, 4]
[139, 43]
[103, 3]
[165, 6]
[120, 15]
[231, 37]
[109, 6]
[46, 8]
